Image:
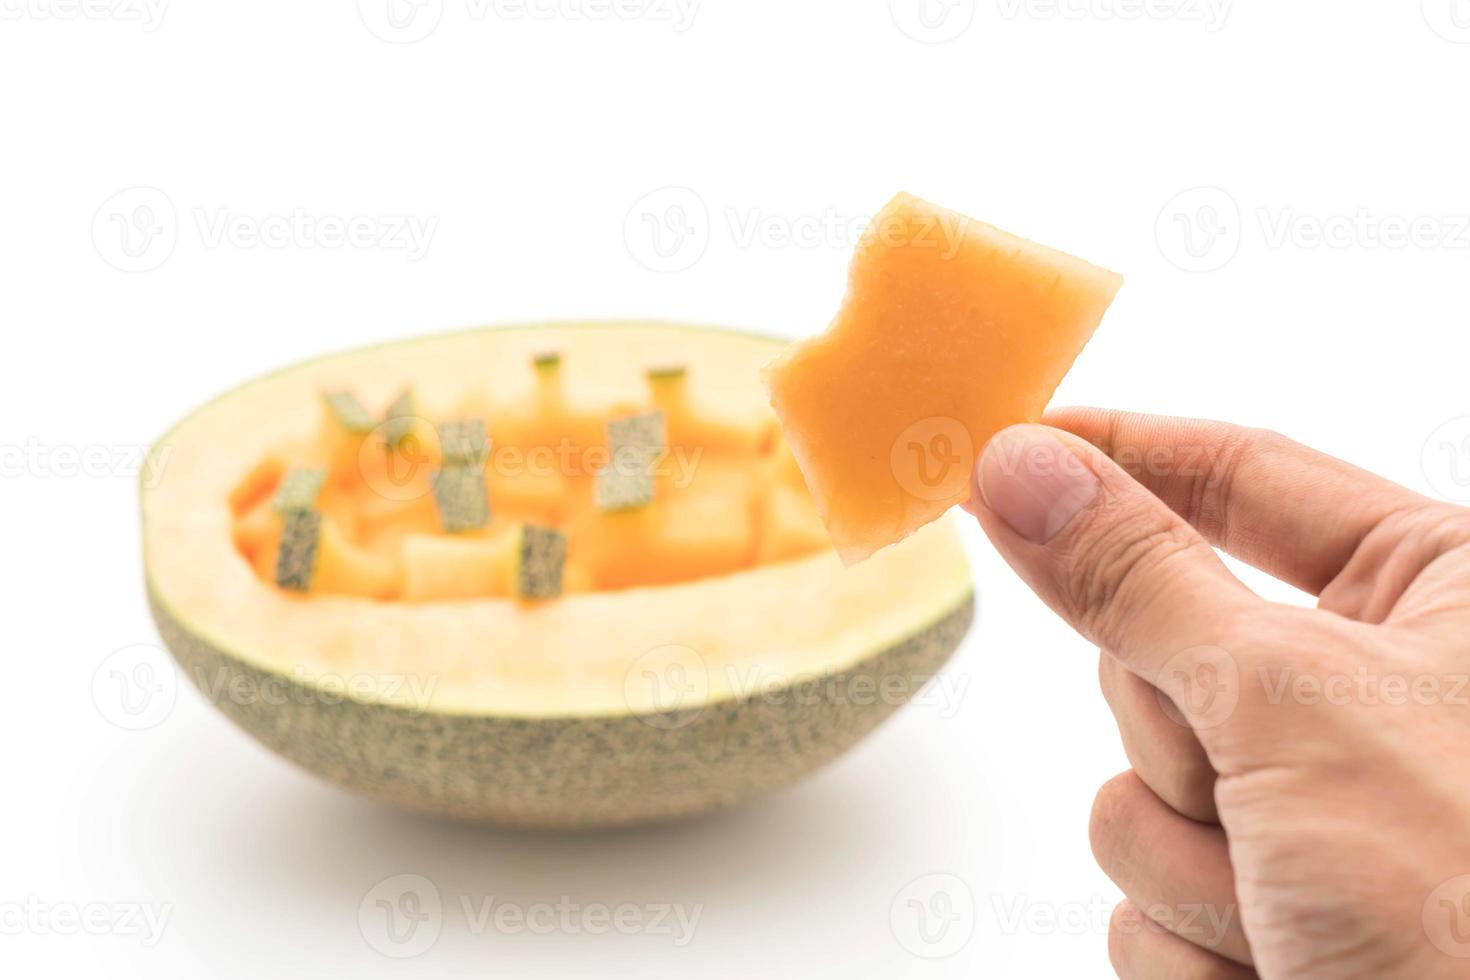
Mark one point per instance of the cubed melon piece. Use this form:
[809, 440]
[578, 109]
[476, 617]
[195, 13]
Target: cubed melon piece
[789, 525]
[437, 566]
[951, 330]
[690, 531]
[320, 556]
[533, 493]
[258, 484]
[554, 417]
[703, 421]
[523, 560]
[347, 569]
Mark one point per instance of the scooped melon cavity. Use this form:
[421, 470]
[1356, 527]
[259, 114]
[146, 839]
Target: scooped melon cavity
[522, 500]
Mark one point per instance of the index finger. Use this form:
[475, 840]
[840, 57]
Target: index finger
[1273, 503]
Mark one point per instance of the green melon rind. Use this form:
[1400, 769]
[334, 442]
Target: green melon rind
[460, 498]
[298, 490]
[540, 563]
[463, 441]
[300, 547]
[349, 412]
[566, 773]
[398, 418]
[634, 442]
[626, 490]
[645, 433]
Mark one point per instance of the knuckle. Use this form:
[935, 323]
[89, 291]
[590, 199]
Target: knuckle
[1207, 487]
[1193, 791]
[1116, 571]
[1441, 528]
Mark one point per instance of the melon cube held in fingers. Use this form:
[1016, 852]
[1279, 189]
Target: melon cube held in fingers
[951, 330]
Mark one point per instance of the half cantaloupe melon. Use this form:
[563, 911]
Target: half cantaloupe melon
[951, 331]
[511, 651]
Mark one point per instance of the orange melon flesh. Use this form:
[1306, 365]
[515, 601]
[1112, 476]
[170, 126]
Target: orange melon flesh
[728, 494]
[449, 567]
[951, 330]
[790, 525]
[696, 531]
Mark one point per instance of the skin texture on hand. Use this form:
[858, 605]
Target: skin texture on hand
[1299, 802]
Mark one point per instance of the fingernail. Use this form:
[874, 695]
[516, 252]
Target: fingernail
[1034, 482]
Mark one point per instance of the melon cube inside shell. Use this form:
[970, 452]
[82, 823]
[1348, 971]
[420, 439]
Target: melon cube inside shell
[461, 498]
[398, 419]
[634, 445]
[349, 411]
[543, 556]
[296, 561]
[298, 490]
[463, 441]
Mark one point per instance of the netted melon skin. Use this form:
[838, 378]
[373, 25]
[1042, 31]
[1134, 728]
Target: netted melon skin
[567, 773]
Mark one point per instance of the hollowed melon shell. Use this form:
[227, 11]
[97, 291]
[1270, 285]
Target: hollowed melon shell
[530, 719]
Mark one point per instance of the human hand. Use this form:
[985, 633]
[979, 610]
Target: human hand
[1299, 803]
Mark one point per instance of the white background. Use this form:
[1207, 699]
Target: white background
[525, 144]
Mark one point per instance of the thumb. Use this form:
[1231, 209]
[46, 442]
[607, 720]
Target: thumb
[1109, 557]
